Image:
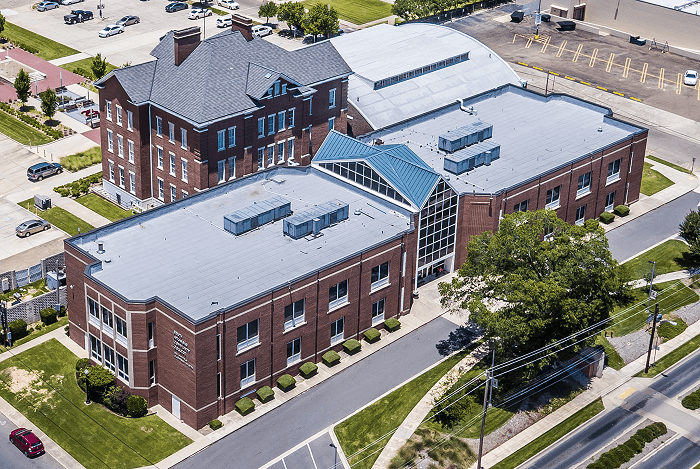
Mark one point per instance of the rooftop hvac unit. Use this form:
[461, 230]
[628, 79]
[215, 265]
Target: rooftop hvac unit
[258, 214]
[457, 139]
[315, 219]
[472, 157]
[42, 202]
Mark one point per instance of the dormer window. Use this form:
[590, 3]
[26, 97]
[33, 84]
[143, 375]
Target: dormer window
[277, 88]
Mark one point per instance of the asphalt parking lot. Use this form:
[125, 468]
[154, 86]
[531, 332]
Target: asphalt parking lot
[317, 454]
[12, 458]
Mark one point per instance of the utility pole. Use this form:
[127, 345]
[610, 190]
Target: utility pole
[487, 403]
[538, 19]
[651, 284]
[651, 340]
[3, 312]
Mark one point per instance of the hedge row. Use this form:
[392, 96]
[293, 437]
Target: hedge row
[51, 132]
[692, 400]
[624, 452]
[23, 46]
[79, 187]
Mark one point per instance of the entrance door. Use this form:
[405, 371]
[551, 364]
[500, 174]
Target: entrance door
[176, 407]
[119, 199]
[580, 12]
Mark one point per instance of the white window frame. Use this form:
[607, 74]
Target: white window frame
[108, 110]
[271, 124]
[171, 132]
[95, 348]
[281, 120]
[129, 121]
[221, 140]
[218, 347]
[311, 102]
[378, 317]
[110, 164]
[122, 368]
[221, 171]
[120, 146]
[249, 341]
[132, 182]
[232, 168]
[118, 112]
[183, 138]
[110, 141]
[110, 361]
[294, 357]
[250, 377]
[173, 193]
[261, 158]
[609, 207]
[121, 328]
[382, 273]
[270, 154]
[284, 88]
[107, 321]
[584, 189]
[171, 166]
[582, 212]
[130, 146]
[290, 148]
[554, 203]
[161, 189]
[159, 126]
[159, 154]
[339, 300]
[94, 312]
[184, 169]
[151, 334]
[331, 98]
[280, 152]
[152, 372]
[298, 316]
[291, 118]
[261, 127]
[339, 336]
[184, 193]
[613, 175]
[331, 123]
[232, 136]
[122, 177]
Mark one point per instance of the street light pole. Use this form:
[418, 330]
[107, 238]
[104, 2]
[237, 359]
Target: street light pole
[87, 386]
[487, 402]
[537, 25]
[651, 284]
[651, 340]
[335, 459]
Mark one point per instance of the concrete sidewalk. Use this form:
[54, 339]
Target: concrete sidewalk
[680, 275]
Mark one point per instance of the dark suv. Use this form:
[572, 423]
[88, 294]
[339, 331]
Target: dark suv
[77, 16]
[41, 170]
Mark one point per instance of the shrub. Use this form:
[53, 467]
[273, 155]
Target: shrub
[372, 335]
[99, 378]
[67, 329]
[265, 394]
[624, 452]
[18, 329]
[81, 364]
[48, 315]
[136, 406]
[331, 358]
[39, 327]
[82, 160]
[79, 187]
[286, 382]
[392, 324]
[308, 369]
[622, 210]
[352, 346]
[215, 424]
[62, 311]
[245, 406]
[116, 399]
[692, 401]
[607, 217]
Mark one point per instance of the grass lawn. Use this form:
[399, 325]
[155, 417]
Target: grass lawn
[671, 256]
[668, 331]
[553, 435]
[49, 396]
[82, 160]
[671, 165]
[60, 218]
[85, 64]
[21, 132]
[99, 205]
[357, 11]
[62, 322]
[613, 359]
[672, 358]
[671, 296]
[653, 181]
[48, 49]
[30, 290]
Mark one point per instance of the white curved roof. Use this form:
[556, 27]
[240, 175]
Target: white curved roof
[384, 51]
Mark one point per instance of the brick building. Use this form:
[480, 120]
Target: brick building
[208, 111]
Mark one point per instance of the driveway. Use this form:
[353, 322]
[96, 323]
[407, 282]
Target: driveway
[12, 458]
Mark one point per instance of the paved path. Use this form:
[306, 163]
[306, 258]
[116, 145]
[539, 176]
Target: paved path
[69, 58]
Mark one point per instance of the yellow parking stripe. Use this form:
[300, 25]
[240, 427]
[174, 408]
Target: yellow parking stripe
[554, 73]
[523, 64]
[569, 78]
[561, 48]
[643, 78]
[577, 53]
[661, 79]
[586, 83]
[636, 99]
[626, 69]
[619, 94]
[594, 56]
[610, 63]
[679, 83]
[601, 88]
[537, 68]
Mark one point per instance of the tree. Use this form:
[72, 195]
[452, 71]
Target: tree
[22, 86]
[292, 13]
[49, 103]
[690, 231]
[527, 292]
[268, 10]
[321, 19]
[99, 378]
[2, 24]
[98, 66]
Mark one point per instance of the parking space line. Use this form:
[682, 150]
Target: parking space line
[679, 83]
[610, 63]
[661, 79]
[594, 56]
[312, 456]
[578, 52]
[522, 63]
[601, 88]
[618, 93]
[698, 87]
[585, 83]
[546, 44]
[643, 78]
[515, 36]
[561, 48]
[537, 68]
[636, 99]
[626, 69]
[553, 73]
[529, 43]
[284, 464]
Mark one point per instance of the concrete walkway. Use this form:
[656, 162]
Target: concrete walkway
[70, 58]
[683, 274]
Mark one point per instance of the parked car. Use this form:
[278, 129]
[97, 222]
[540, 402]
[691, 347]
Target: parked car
[261, 30]
[128, 20]
[77, 16]
[196, 13]
[30, 227]
[224, 22]
[690, 77]
[27, 442]
[43, 6]
[111, 30]
[70, 2]
[39, 171]
[230, 4]
[175, 6]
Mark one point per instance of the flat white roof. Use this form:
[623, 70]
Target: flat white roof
[688, 6]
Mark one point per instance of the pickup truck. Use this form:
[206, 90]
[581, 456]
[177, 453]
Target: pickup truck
[77, 16]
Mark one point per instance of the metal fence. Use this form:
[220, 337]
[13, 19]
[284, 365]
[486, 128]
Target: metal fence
[461, 12]
[20, 278]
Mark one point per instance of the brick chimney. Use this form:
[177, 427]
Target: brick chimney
[186, 40]
[242, 24]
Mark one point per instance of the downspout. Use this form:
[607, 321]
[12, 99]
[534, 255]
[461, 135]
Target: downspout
[150, 150]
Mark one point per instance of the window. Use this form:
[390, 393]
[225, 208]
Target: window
[159, 126]
[232, 167]
[121, 327]
[584, 184]
[93, 309]
[294, 314]
[281, 120]
[218, 384]
[521, 207]
[277, 88]
[218, 347]
[290, 148]
[331, 123]
[548, 232]
[107, 317]
[337, 330]
[261, 127]
[120, 146]
[172, 164]
[284, 88]
[221, 140]
[184, 169]
[152, 372]
[130, 144]
[580, 215]
[129, 120]
[261, 158]
[614, 171]
[338, 294]
[161, 189]
[248, 373]
[108, 109]
[221, 167]
[271, 124]
[331, 99]
[132, 182]
[293, 351]
[380, 275]
[291, 118]
[123, 367]
[610, 202]
[271, 154]
[553, 197]
[110, 142]
[111, 171]
[311, 101]
[247, 335]
[109, 358]
[173, 193]
[378, 312]
[184, 194]
[151, 335]
[183, 138]
[95, 346]
[171, 132]
[231, 137]
[119, 114]
[121, 176]
[280, 152]
[160, 157]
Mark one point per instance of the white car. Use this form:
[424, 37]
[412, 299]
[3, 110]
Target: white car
[196, 13]
[691, 77]
[111, 30]
[223, 22]
[70, 2]
[230, 4]
[261, 30]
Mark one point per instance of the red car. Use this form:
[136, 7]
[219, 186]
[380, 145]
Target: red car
[27, 442]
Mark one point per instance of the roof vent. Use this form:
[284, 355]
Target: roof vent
[268, 75]
[258, 214]
[457, 139]
[316, 219]
[357, 212]
[100, 247]
[600, 128]
[108, 261]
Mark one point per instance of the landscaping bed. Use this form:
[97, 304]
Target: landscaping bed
[83, 68]
[41, 46]
[107, 209]
[50, 128]
[82, 160]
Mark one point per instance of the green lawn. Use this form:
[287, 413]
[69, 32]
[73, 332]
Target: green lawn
[62, 322]
[671, 296]
[613, 359]
[99, 205]
[551, 436]
[30, 290]
[672, 358]
[670, 256]
[357, 11]
[85, 64]
[95, 437]
[653, 181]
[82, 160]
[60, 218]
[48, 49]
[21, 132]
[668, 331]
[670, 165]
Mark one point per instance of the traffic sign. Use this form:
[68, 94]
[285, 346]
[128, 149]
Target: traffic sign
[538, 18]
[652, 294]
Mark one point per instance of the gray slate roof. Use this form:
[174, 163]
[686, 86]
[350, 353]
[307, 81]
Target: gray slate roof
[215, 79]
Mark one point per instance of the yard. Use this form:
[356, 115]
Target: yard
[41, 384]
[21, 132]
[357, 11]
[107, 209]
[672, 358]
[81, 65]
[653, 181]
[48, 49]
[60, 218]
[670, 165]
[82, 160]
[670, 256]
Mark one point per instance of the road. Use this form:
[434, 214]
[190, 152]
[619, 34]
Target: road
[271, 435]
[12, 458]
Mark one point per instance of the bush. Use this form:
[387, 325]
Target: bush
[622, 210]
[136, 406]
[48, 315]
[392, 324]
[692, 401]
[245, 406]
[265, 394]
[372, 335]
[308, 369]
[215, 424]
[624, 452]
[286, 382]
[352, 346]
[18, 329]
[116, 400]
[331, 358]
[81, 364]
[82, 160]
[62, 312]
[79, 187]
[100, 378]
[39, 327]
[607, 217]
[67, 329]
